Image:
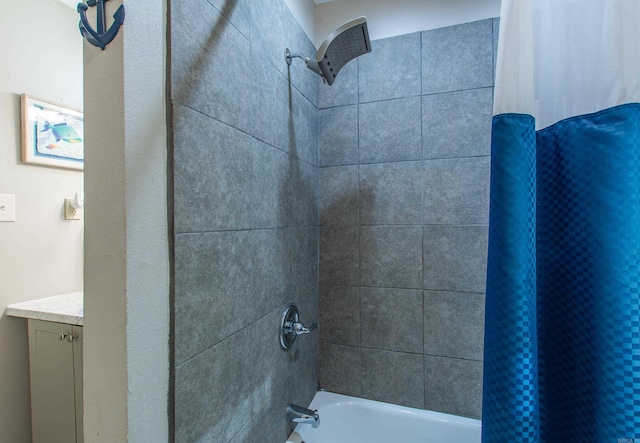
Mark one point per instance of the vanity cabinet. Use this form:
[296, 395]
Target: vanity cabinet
[55, 360]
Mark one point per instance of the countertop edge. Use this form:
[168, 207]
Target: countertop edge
[63, 308]
[45, 316]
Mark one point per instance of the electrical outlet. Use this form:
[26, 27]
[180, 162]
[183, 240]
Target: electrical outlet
[70, 213]
[7, 208]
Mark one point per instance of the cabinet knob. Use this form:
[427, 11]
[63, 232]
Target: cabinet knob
[69, 337]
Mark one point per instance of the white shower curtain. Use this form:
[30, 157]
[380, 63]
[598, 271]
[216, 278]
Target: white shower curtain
[563, 58]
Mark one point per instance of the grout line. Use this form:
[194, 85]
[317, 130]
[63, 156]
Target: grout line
[344, 105]
[390, 99]
[404, 289]
[216, 344]
[228, 19]
[494, 51]
[184, 105]
[398, 225]
[359, 239]
[404, 161]
[422, 57]
[405, 97]
[422, 354]
[457, 90]
[221, 231]
[454, 358]
[451, 225]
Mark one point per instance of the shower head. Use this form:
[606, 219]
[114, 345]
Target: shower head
[349, 41]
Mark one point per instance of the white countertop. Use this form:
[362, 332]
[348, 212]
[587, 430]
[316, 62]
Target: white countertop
[65, 308]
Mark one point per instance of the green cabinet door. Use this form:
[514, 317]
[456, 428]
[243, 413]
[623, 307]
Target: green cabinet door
[55, 360]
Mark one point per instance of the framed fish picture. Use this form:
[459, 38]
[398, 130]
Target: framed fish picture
[52, 135]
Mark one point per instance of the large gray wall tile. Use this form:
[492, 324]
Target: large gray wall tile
[270, 424]
[246, 217]
[302, 121]
[213, 168]
[339, 315]
[305, 258]
[454, 324]
[272, 260]
[211, 70]
[271, 194]
[305, 80]
[338, 188]
[271, 31]
[391, 69]
[453, 386]
[304, 193]
[303, 366]
[270, 364]
[457, 124]
[391, 256]
[455, 258]
[213, 289]
[391, 193]
[339, 255]
[244, 435]
[393, 377]
[496, 35]
[457, 57]
[390, 130]
[202, 415]
[238, 12]
[303, 360]
[340, 369]
[338, 142]
[456, 191]
[344, 91]
[307, 303]
[270, 92]
[390, 319]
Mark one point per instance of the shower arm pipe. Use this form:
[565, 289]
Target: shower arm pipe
[311, 64]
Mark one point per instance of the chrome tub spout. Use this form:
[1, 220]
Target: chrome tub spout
[298, 414]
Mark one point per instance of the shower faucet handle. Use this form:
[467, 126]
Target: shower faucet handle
[299, 329]
[291, 327]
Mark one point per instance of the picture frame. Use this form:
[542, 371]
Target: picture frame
[52, 134]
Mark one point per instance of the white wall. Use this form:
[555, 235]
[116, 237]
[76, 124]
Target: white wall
[390, 18]
[126, 295]
[305, 13]
[40, 253]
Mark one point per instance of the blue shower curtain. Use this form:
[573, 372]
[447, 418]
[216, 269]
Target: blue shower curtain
[562, 338]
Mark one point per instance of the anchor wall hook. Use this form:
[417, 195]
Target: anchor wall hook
[99, 37]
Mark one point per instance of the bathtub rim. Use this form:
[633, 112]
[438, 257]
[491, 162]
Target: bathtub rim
[326, 398]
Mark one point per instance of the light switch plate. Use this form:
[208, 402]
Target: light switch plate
[7, 208]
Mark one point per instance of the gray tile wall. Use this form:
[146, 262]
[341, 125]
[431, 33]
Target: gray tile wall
[246, 208]
[404, 202]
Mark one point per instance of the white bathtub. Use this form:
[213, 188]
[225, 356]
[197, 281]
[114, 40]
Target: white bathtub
[346, 419]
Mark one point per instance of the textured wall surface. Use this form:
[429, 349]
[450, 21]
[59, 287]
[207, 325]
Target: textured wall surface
[389, 19]
[42, 252]
[404, 155]
[126, 296]
[245, 137]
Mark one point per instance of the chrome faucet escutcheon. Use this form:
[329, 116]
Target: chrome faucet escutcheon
[291, 326]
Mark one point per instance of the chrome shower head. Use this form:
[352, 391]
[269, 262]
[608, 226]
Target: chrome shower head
[349, 41]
